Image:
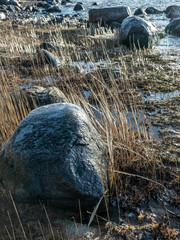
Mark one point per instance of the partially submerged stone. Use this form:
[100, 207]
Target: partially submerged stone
[109, 15]
[137, 32]
[55, 155]
[173, 27]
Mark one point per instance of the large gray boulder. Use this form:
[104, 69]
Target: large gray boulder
[173, 27]
[109, 15]
[173, 11]
[56, 155]
[37, 96]
[137, 32]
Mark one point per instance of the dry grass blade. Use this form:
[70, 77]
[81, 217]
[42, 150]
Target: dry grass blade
[95, 210]
[12, 227]
[138, 176]
[20, 222]
[51, 229]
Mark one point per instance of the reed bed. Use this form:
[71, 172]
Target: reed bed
[93, 62]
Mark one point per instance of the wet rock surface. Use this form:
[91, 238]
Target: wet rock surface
[55, 154]
[137, 32]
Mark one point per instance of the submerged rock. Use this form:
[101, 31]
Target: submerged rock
[51, 58]
[37, 96]
[136, 32]
[173, 27]
[109, 15]
[56, 155]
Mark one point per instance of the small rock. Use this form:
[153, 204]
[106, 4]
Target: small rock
[139, 11]
[173, 11]
[37, 96]
[78, 7]
[95, 4]
[53, 9]
[151, 10]
[51, 59]
[173, 27]
[48, 46]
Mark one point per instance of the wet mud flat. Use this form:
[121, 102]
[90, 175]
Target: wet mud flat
[142, 206]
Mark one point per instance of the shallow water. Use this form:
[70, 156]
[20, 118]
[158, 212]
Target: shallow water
[160, 96]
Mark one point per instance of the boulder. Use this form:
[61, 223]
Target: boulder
[53, 9]
[51, 58]
[173, 27]
[55, 155]
[139, 11]
[173, 11]
[37, 96]
[137, 32]
[152, 10]
[109, 15]
[78, 7]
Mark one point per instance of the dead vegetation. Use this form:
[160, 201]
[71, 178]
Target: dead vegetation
[113, 77]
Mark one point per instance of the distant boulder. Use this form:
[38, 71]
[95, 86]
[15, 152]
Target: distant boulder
[152, 10]
[57, 156]
[173, 27]
[37, 96]
[78, 7]
[173, 11]
[53, 9]
[109, 15]
[139, 11]
[136, 32]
